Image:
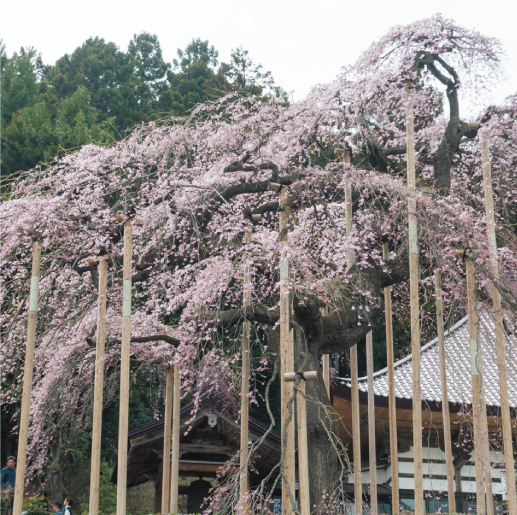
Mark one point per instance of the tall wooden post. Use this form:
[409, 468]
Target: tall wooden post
[499, 330]
[476, 384]
[166, 469]
[415, 312]
[325, 362]
[98, 389]
[445, 398]
[371, 425]
[303, 455]
[356, 415]
[392, 405]
[244, 478]
[27, 378]
[124, 371]
[487, 463]
[303, 461]
[175, 455]
[286, 365]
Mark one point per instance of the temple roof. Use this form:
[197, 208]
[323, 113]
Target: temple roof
[457, 356]
[203, 449]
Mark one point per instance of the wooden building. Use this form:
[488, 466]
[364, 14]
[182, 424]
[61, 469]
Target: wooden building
[209, 438]
[460, 399]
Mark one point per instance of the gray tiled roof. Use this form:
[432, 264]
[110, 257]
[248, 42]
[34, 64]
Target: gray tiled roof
[458, 368]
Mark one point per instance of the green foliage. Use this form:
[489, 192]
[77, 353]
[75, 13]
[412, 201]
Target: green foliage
[107, 493]
[3, 504]
[34, 506]
[19, 81]
[99, 93]
[76, 122]
[194, 79]
[29, 139]
[95, 95]
[248, 78]
[107, 75]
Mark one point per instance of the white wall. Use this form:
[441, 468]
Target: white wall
[431, 468]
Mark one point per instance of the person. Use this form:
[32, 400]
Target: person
[57, 508]
[44, 500]
[68, 505]
[7, 481]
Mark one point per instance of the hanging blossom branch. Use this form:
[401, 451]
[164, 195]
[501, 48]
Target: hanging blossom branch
[198, 184]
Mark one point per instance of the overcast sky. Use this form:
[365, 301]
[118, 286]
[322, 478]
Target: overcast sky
[303, 43]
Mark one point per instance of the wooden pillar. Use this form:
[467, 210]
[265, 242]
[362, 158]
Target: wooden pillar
[486, 453]
[303, 459]
[303, 453]
[124, 371]
[157, 499]
[371, 425]
[175, 458]
[356, 431]
[27, 378]
[392, 403]
[166, 471]
[325, 365]
[348, 214]
[356, 415]
[98, 388]
[476, 385]
[445, 397]
[415, 312]
[499, 330]
[244, 479]
[286, 365]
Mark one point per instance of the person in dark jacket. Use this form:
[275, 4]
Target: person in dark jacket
[43, 500]
[57, 508]
[7, 481]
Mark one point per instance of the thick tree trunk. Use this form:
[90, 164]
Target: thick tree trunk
[315, 335]
[323, 462]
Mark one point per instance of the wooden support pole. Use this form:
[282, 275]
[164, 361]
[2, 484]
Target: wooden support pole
[125, 350]
[175, 455]
[325, 362]
[415, 312]
[98, 389]
[356, 431]
[166, 469]
[303, 458]
[348, 214]
[303, 452]
[499, 330]
[476, 385]
[371, 425]
[356, 415]
[445, 397]
[486, 452]
[286, 365]
[27, 378]
[392, 405]
[244, 479]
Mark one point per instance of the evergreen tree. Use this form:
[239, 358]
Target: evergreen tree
[107, 75]
[193, 77]
[19, 81]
